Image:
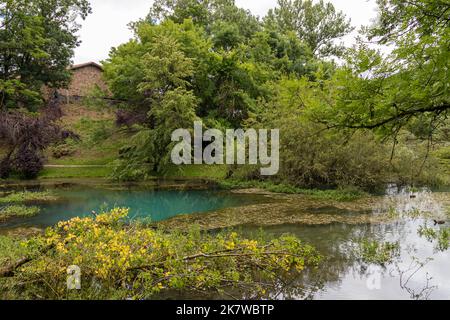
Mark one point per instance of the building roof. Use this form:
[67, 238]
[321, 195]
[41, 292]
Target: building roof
[87, 64]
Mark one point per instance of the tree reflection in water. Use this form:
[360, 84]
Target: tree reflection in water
[419, 272]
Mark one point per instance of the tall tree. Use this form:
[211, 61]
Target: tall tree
[219, 17]
[317, 24]
[37, 39]
[164, 87]
[410, 85]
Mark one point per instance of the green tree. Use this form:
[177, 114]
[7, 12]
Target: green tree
[319, 25]
[217, 17]
[171, 105]
[410, 85]
[37, 39]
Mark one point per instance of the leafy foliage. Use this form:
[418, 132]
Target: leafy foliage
[317, 24]
[132, 261]
[372, 251]
[27, 136]
[409, 86]
[17, 211]
[441, 236]
[37, 39]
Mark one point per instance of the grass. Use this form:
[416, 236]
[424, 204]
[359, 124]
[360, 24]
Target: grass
[11, 250]
[197, 171]
[88, 172]
[336, 195]
[99, 144]
[17, 211]
[28, 196]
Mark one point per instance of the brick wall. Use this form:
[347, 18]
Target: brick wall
[84, 80]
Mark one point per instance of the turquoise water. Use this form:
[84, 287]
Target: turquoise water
[152, 205]
[420, 271]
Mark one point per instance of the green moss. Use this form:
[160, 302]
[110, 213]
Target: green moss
[17, 211]
[28, 196]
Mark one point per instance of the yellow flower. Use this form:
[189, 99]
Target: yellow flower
[230, 245]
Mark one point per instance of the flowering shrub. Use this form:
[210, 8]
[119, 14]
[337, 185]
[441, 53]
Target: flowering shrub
[120, 260]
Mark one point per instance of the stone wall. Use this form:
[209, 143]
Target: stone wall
[85, 78]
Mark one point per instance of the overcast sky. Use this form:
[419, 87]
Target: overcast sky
[107, 27]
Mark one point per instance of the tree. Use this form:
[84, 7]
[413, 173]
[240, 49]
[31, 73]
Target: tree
[408, 86]
[27, 136]
[37, 39]
[171, 105]
[215, 16]
[318, 25]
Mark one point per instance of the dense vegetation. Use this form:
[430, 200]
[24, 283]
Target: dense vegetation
[121, 260]
[350, 119]
[348, 116]
[37, 39]
[366, 121]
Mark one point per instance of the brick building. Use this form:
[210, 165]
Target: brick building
[85, 78]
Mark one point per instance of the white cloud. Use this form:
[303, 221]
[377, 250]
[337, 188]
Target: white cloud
[107, 26]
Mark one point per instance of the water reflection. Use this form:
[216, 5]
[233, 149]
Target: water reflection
[418, 272]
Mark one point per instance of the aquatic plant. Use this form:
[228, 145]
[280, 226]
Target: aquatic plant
[17, 211]
[28, 196]
[343, 195]
[132, 261]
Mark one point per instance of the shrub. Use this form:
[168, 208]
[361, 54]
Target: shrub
[120, 260]
[61, 151]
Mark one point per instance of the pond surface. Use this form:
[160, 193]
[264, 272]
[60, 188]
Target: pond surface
[420, 271]
[144, 203]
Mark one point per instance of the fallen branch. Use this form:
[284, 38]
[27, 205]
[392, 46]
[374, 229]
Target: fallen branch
[8, 271]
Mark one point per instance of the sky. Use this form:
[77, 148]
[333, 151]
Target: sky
[107, 26]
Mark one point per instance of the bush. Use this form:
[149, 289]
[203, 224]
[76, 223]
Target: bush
[120, 260]
[61, 151]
